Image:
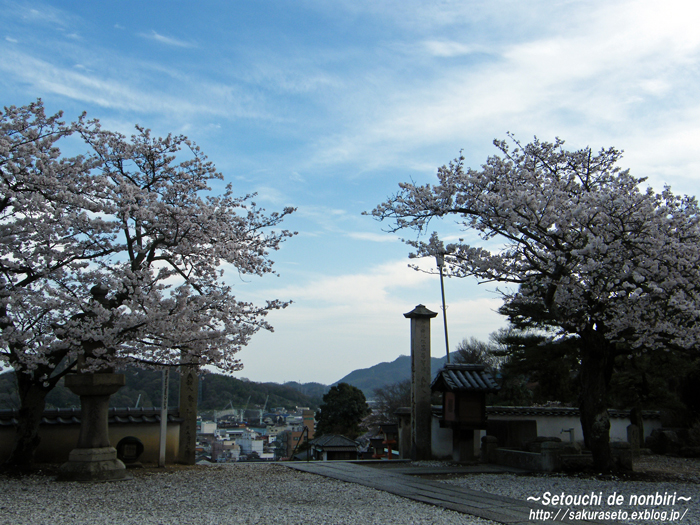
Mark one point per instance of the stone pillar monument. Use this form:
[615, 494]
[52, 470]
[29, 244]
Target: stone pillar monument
[94, 459]
[189, 388]
[421, 416]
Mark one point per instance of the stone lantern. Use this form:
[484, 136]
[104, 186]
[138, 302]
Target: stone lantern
[94, 459]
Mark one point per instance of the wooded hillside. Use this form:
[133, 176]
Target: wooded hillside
[218, 392]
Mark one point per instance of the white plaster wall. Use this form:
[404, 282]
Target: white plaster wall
[552, 426]
[441, 440]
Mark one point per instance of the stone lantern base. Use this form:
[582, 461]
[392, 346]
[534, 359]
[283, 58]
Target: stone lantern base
[93, 464]
[94, 459]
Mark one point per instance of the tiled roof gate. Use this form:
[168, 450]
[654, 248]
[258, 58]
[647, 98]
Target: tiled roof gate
[464, 378]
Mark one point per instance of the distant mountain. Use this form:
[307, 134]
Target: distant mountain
[313, 390]
[217, 392]
[382, 374]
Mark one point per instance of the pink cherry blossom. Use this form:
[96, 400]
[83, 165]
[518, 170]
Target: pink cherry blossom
[594, 254]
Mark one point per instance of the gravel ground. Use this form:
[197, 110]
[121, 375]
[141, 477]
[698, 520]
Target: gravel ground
[655, 475]
[239, 493]
[271, 493]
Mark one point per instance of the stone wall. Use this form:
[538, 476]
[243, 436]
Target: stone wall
[552, 457]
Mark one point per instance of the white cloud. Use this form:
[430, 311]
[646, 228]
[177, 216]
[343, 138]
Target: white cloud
[607, 75]
[352, 290]
[373, 237]
[128, 92]
[47, 15]
[321, 213]
[444, 48]
[296, 177]
[271, 195]
[288, 71]
[340, 323]
[170, 41]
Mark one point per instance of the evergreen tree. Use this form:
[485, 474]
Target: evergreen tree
[344, 406]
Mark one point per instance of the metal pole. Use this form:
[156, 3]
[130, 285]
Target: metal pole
[444, 314]
[164, 417]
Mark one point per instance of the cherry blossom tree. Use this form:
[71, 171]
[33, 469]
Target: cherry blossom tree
[118, 257]
[583, 248]
[165, 300]
[45, 210]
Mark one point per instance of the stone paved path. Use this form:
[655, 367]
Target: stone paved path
[398, 481]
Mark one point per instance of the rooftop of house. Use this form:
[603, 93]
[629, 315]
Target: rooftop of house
[334, 442]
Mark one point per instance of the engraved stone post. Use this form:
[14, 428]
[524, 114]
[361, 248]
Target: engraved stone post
[633, 439]
[189, 383]
[421, 416]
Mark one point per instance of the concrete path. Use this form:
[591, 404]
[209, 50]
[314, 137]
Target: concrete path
[397, 480]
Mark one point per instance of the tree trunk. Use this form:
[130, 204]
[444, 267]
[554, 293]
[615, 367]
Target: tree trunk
[32, 402]
[596, 368]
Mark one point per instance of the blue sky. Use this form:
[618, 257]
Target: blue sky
[328, 105]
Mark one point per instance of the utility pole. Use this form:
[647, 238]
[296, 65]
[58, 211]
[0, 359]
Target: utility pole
[164, 416]
[440, 258]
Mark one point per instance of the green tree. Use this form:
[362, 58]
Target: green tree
[474, 352]
[548, 366]
[648, 379]
[343, 408]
